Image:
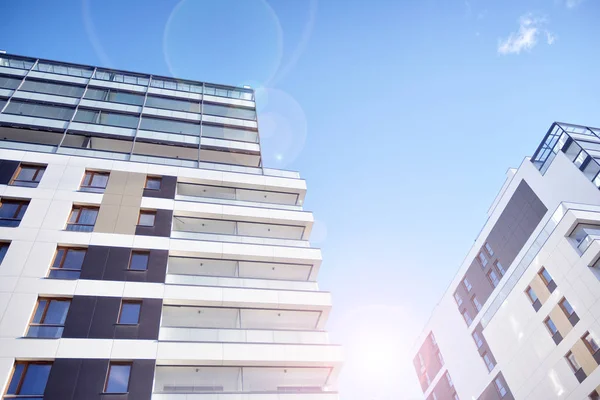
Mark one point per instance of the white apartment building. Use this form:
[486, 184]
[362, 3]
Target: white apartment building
[520, 318]
[146, 253]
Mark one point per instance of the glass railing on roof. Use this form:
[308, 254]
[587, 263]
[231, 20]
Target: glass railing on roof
[64, 69]
[15, 62]
[121, 77]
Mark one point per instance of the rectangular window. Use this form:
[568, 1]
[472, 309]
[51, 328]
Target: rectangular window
[67, 263]
[28, 175]
[173, 104]
[170, 126]
[11, 212]
[223, 132]
[476, 303]
[500, 387]
[64, 69]
[130, 312]
[483, 259]
[421, 362]
[113, 76]
[94, 181]
[550, 326]
[31, 109]
[29, 380]
[493, 278]
[448, 379]
[531, 294]
[572, 362]
[153, 182]
[139, 260]
[500, 268]
[117, 378]
[566, 307]
[3, 249]
[545, 276]
[7, 82]
[82, 219]
[229, 112]
[439, 355]
[467, 317]
[49, 318]
[477, 339]
[590, 343]
[433, 339]
[458, 299]
[488, 361]
[467, 284]
[489, 249]
[52, 88]
[106, 118]
[147, 218]
[114, 96]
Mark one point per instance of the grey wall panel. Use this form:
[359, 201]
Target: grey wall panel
[150, 319]
[167, 189]
[112, 264]
[62, 379]
[162, 225]
[7, 170]
[79, 318]
[105, 317]
[90, 380]
[142, 377]
[491, 392]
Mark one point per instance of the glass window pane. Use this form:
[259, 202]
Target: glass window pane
[74, 215]
[9, 82]
[139, 261]
[99, 180]
[57, 312]
[52, 88]
[39, 312]
[130, 313]
[118, 378]
[39, 110]
[229, 112]
[8, 210]
[567, 307]
[546, 276]
[173, 104]
[121, 120]
[3, 250]
[172, 126]
[88, 216]
[153, 183]
[74, 259]
[221, 132]
[146, 219]
[35, 379]
[16, 378]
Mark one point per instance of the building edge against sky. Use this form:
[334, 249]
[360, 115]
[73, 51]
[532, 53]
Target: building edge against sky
[145, 251]
[520, 318]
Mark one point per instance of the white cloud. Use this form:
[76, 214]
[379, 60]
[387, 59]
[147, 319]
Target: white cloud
[526, 38]
[573, 3]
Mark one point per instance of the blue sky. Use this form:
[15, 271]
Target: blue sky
[403, 116]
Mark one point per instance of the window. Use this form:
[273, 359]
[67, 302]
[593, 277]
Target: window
[114, 96]
[147, 218]
[29, 379]
[7, 82]
[594, 395]
[489, 249]
[439, 355]
[94, 181]
[449, 380]
[458, 299]
[49, 318]
[52, 88]
[483, 259]
[500, 387]
[433, 339]
[493, 278]
[467, 284]
[572, 362]
[106, 118]
[222, 132]
[477, 339]
[488, 361]
[114, 76]
[500, 268]
[64, 69]
[566, 307]
[531, 294]
[82, 219]
[139, 260]
[117, 379]
[153, 182]
[67, 263]
[130, 312]
[550, 326]
[421, 362]
[173, 104]
[28, 175]
[171, 126]
[590, 343]
[476, 303]
[3, 250]
[12, 211]
[467, 317]
[229, 112]
[546, 278]
[427, 378]
[31, 109]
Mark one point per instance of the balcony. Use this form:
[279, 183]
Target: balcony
[212, 383]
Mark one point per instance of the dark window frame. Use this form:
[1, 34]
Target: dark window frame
[489, 277]
[108, 371]
[40, 169]
[136, 302]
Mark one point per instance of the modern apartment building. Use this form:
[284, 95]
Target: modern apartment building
[520, 320]
[146, 253]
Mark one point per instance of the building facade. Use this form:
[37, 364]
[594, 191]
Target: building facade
[146, 253]
[520, 318]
